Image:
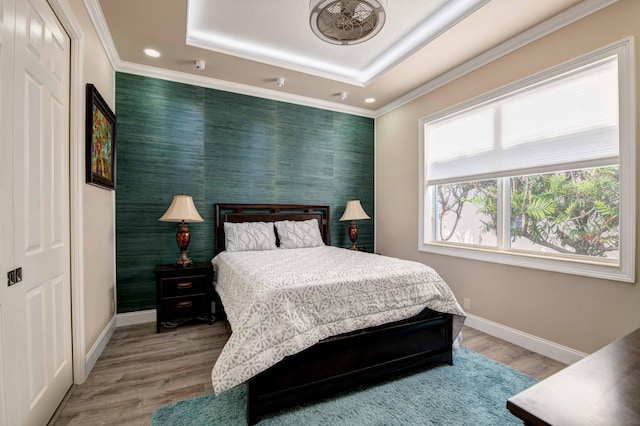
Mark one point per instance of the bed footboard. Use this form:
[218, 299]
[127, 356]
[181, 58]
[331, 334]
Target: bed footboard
[352, 359]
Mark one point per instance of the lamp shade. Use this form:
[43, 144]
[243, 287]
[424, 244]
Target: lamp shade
[182, 208]
[354, 211]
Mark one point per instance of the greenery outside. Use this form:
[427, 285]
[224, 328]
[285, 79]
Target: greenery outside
[570, 212]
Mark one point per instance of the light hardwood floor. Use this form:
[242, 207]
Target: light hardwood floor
[141, 370]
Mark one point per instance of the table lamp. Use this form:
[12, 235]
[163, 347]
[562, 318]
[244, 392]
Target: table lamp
[353, 211]
[182, 210]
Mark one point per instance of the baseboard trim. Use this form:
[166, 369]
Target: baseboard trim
[528, 341]
[97, 348]
[138, 317]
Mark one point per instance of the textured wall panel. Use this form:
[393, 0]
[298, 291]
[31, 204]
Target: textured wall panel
[223, 147]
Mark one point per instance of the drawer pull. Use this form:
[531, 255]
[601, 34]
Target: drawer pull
[183, 286]
[185, 304]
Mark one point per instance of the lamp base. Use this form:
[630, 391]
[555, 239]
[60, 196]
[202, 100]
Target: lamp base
[353, 235]
[182, 237]
[184, 260]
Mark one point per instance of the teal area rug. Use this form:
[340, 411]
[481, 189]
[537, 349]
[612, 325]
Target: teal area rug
[474, 391]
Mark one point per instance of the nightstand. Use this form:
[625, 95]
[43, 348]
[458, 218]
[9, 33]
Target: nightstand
[183, 292]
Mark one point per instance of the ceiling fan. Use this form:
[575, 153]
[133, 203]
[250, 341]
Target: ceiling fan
[348, 21]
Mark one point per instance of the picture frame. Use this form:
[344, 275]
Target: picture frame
[100, 141]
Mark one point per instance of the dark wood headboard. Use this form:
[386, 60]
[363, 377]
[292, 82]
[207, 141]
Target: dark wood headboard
[270, 213]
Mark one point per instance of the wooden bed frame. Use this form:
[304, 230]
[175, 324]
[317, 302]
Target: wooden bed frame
[340, 362]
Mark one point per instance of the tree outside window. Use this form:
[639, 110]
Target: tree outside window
[572, 212]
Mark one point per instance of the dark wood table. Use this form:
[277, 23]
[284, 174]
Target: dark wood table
[601, 389]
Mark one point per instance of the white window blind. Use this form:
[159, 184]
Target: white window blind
[566, 122]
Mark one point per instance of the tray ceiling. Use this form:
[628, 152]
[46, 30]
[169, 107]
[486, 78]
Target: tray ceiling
[248, 45]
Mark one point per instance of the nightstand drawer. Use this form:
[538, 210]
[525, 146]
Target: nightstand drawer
[185, 306]
[183, 293]
[183, 286]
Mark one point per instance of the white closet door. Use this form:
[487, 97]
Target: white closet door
[6, 196]
[40, 305]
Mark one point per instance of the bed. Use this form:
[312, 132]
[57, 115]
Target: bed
[302, 329]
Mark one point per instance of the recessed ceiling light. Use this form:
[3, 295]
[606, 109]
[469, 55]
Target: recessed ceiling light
[370, 100]
[151, 52]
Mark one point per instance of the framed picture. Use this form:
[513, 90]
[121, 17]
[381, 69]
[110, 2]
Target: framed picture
[101, 141]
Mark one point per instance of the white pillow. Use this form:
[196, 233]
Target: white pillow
[299, 234]
[246, 236]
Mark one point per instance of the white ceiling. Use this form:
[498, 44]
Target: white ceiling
[277, 32]
[248, 44]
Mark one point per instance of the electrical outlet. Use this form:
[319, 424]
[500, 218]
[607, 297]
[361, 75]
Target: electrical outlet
[467, 303]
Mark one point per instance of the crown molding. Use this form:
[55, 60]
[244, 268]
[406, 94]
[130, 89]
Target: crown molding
[555, 23]
[100, 24]
[243, 89]
[547, 27]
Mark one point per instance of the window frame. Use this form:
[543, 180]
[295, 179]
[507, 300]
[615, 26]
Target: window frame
[625, 269]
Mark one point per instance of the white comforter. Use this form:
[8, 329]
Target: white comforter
[282, 301]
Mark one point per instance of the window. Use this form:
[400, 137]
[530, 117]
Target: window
[538, 174]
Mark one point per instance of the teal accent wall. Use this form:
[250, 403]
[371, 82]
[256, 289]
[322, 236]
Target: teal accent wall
[222, 147]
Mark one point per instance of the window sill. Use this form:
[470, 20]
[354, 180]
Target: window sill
[589, 268]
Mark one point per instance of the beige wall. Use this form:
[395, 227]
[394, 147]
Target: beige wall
[98, 205]
[578, 312]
